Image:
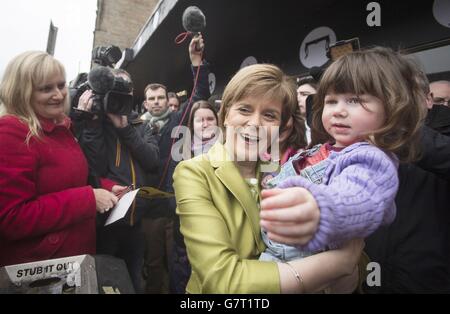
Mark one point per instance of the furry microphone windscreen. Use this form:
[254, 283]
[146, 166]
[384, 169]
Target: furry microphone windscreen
[101, 80]
[194, 20]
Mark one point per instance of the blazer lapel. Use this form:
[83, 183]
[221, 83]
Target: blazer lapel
[230, 176]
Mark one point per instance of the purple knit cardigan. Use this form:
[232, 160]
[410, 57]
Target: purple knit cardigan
[356, 197]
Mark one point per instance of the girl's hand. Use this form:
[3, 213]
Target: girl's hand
[290, 216]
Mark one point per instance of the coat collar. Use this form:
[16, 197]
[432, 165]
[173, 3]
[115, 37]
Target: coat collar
[49, 125]
[229, 175]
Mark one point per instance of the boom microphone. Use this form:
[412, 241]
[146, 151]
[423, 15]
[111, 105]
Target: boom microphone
[101, 80]
[194, 21]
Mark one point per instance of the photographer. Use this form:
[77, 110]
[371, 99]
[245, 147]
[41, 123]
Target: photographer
[120, 150]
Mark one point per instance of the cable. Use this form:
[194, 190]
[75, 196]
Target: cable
[179, 40]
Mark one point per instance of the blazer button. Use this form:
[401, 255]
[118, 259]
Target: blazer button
[53, 239]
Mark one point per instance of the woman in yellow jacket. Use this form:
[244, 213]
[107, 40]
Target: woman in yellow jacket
[218, 200]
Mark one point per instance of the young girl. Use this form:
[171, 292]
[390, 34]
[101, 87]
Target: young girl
[368, 110]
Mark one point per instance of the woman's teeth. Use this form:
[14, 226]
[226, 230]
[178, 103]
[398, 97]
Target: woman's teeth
[250, 139]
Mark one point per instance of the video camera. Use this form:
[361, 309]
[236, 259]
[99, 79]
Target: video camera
[112, 94]
[106, 56]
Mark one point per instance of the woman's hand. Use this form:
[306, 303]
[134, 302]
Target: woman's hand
[120, 190]
[350, 256]
[332, 270]
[345, 285]
[104, 200]
[351, 253]
[290, 216]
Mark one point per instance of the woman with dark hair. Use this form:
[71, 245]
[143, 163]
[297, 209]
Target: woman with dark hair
[307, 86]
[203, 127]
[173, 101]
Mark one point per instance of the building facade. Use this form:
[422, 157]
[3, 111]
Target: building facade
[120, 21]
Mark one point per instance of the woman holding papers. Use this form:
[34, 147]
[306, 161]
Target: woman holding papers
[47, 209]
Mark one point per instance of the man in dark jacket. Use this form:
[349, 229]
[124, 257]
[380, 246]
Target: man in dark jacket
[414, 251]
[121, 150]
[158, 223]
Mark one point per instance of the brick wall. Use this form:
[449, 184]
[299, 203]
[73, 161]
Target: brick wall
[120, 21]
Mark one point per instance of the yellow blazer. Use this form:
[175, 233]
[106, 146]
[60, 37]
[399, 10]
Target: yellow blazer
[220, 223]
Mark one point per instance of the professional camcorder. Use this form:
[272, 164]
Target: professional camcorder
[112, 94]
[106, 56]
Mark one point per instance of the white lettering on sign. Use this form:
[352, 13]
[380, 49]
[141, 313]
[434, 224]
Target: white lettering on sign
[374, 17]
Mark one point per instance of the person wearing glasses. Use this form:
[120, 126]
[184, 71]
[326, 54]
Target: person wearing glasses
[441, 92]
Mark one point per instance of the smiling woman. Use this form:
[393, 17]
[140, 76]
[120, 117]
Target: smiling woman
[218, 196]
[47, 208]
[49, 100]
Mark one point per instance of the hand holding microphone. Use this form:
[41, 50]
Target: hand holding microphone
[194, 22]
[196, 50]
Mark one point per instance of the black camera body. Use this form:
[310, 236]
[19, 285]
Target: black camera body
[117, 101]
[111, 94]
[106, 56]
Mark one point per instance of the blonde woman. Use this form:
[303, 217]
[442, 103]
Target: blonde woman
[47, 210]
[218, 195]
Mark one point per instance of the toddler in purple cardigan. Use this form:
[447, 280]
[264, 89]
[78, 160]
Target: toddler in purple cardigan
[368, 111]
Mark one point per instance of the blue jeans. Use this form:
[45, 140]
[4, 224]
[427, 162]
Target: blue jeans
[276, 252]
[281, 252]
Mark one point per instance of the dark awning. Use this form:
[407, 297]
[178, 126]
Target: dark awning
[270, 31]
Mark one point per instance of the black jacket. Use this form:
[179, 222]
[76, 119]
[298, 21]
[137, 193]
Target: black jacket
[163, 179]
[438, 118]
[414, 251]
[125, 156]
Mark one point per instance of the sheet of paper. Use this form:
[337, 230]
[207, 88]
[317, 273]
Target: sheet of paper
[120, 210]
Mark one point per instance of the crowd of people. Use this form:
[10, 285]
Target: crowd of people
[287, 188]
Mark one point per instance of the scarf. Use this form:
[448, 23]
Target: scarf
[202, 147]
[161, 121]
